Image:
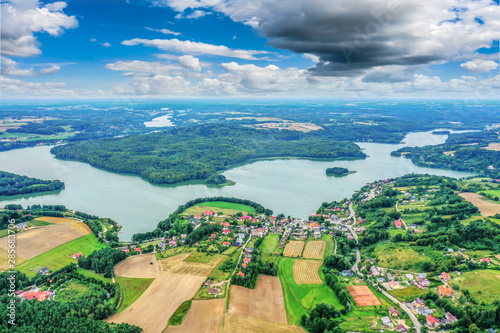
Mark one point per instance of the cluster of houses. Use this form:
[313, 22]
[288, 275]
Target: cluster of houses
[35, 293]
[128, 249]
[418, 307]
[391, 323]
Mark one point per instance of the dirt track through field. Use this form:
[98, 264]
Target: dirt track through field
[152, 310]
[203, 316]
[306, 271]
[139, 266]
[241, 324]
[363, 296]
[293, 249]
[265, 301]
[315, 250]
[34, 242]
[486, 208]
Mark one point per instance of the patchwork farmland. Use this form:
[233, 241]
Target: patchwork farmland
[314, 250]
[293, 249]
[306, 271]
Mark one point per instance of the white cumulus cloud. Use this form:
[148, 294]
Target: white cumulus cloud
[479, 66]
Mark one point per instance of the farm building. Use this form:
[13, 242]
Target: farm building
[43, 271]
[213, 291]
[432, 322]
[76, 255]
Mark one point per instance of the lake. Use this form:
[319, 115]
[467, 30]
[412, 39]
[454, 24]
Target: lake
[293, 187]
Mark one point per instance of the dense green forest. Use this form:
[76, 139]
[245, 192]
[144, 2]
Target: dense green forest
[12, 184]
[199, 152]
[337, 171]
[462, 152]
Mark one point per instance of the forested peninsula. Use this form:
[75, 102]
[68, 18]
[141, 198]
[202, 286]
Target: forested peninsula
[12, 184]
[201, 152]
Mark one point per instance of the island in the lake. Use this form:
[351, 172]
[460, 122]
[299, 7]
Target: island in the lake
[12, 184]
[338, 172]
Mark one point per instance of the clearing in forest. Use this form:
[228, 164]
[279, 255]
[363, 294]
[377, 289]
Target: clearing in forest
[293, 249]
[306, 271]
[363, 296]
[139, 266]
[152, 310]
[203, 316]
[315, 250]
[485, 207]
[265, 301]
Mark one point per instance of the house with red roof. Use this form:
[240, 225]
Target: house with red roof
[172, 243]
[225, 224]
[76, 255]
[445, 276]
[126, 250]
[137, 249]
[245, 217]
[197, 216]
[226, 231]
[226, 243]
[485, 260]
[432, 322]
[213, 235]
[398, 223]
[241, 274]
[209, 213]
[247, 260]
[244, 265]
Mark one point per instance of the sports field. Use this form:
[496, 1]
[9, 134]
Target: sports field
[363, 296]
[485, 207]
[293, 249]
[315, 249]
[307, 271]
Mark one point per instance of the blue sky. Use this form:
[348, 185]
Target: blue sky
[222, 48]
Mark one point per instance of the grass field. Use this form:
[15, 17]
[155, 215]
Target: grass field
[132, 289]
[359, 321]
[60, 256]
[92, 274]
[330, 245]
[400, 257]
[269, 243]
[484, 285]
[408, 294]
[227, 208]
[300, 299]
[178, 315]
[201, 257]
[71, 292]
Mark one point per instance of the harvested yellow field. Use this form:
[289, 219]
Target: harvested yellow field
[306, 271]
[493, 146]
[203, 316]
[62, 220]
[242, 324]
[293, 249]
[315, 250]
[139, 266]
[177, 265]
[265, 301]
[34, 242]
[485, 208]
[152, 310]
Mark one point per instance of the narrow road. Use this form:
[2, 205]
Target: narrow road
[335, 250]
[405, 308]
[401, 219]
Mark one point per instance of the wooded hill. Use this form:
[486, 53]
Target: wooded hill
[200, 152]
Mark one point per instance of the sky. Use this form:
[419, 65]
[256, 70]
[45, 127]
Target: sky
[419, 49]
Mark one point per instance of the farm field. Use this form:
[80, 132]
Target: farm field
[400, 257]
[269, 243]
[293, 249]
[212, 312]
[178, 265]
[151, 310]
[495, 146]
[314, 250]
[363, 296]
[63, 220]
[301, 299]
[237, 324]
[227, 208]
[485, 207]
[138, 266]
[306, 271]
[32, 243]
[60, 256]
[410, 293]
[265, 301]
[132, 289]
[482, 284]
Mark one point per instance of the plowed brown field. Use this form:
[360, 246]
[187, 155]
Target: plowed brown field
[486, 208]
[203, 316]
[139, 266]
[241, 324]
